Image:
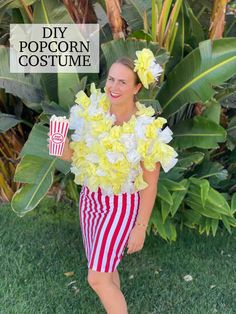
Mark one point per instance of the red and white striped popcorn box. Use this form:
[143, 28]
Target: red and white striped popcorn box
[57, 131]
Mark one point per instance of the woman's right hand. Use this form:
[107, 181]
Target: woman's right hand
[67, 152]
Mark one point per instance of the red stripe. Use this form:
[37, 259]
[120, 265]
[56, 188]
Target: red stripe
[99, 230]
[107, 230]
[116, 232]
[81, 220]
[89, 226]
[93, 221]
[85, 226]
[125, 230]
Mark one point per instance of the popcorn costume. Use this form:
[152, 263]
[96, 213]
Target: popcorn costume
[106, 163]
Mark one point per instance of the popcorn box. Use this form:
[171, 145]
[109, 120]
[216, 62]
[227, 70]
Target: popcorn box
[57, 131]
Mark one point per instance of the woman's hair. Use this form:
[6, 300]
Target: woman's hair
[129, 63]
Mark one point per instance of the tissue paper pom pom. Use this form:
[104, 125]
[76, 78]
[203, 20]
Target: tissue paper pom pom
[146, 67]
[107, 155]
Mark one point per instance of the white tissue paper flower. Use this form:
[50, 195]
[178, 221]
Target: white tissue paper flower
[75, 122]
[155, 69]
[89, 140]
[101, 173]
[133, 156]
[113, 157]
[141, 125]
[129, 141]
[165, 135]
[167, 165]
[94, 110]
[92, 157]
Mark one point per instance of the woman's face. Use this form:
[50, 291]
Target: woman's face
[120, 84]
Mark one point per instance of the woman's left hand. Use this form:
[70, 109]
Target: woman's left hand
[136, 239]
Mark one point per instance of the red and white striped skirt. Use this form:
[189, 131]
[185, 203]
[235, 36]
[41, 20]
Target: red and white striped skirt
[106, 223]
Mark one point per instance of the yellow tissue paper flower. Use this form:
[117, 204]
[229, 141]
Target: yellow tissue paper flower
[100, 158]
[104, 103]
[143, 146]
[142, 64]
[128, 127]
[159, 122]
[151, 131]
[149, 163]
[82, 99]
[143, 110]
[97, 117]
[94, 90]
[139, 183]
[115, 132]
[102, 126]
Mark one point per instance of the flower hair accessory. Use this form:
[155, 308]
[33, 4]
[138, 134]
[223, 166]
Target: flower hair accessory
[147, 67]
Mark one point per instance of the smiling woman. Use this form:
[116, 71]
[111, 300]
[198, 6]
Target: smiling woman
[116, 152]
[121, 87]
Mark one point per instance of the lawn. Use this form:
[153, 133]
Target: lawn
[44, 269]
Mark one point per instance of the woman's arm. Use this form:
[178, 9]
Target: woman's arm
[148, 195]
[67, 152]
[147, 200]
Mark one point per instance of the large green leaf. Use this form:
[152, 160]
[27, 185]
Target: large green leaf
[51, 12]
[178, 47]
[61, 87]
[114, 49]
[191, 218]
[193, 29]
[27, 87]
[218, 203]
[232, 130]
[233, 203]
[209, 202]
[28, 197]
[198, 132]
[192, 80]
[172, 185]
[200, 187]
[31, 169]
[7, 121]
[164, 194]
[214, 171]
[178, 197]
[207, 212]
[133, 13]
[11, 4]
[185, 162]
[36, 145]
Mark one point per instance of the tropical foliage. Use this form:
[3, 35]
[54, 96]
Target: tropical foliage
[196, 94]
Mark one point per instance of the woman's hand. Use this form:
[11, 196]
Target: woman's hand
[136, 239]
[67, 152]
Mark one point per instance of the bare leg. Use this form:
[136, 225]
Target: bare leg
[110, 295]
[116, 278]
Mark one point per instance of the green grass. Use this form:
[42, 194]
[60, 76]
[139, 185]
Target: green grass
[37, 249]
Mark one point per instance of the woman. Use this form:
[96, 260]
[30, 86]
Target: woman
[112, 218]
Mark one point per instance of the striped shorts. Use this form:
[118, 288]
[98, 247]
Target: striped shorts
[106, 223]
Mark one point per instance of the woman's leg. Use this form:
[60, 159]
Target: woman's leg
[116, 278]
[109, 293]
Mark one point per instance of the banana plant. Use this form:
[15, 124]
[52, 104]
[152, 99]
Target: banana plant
[183, 194]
